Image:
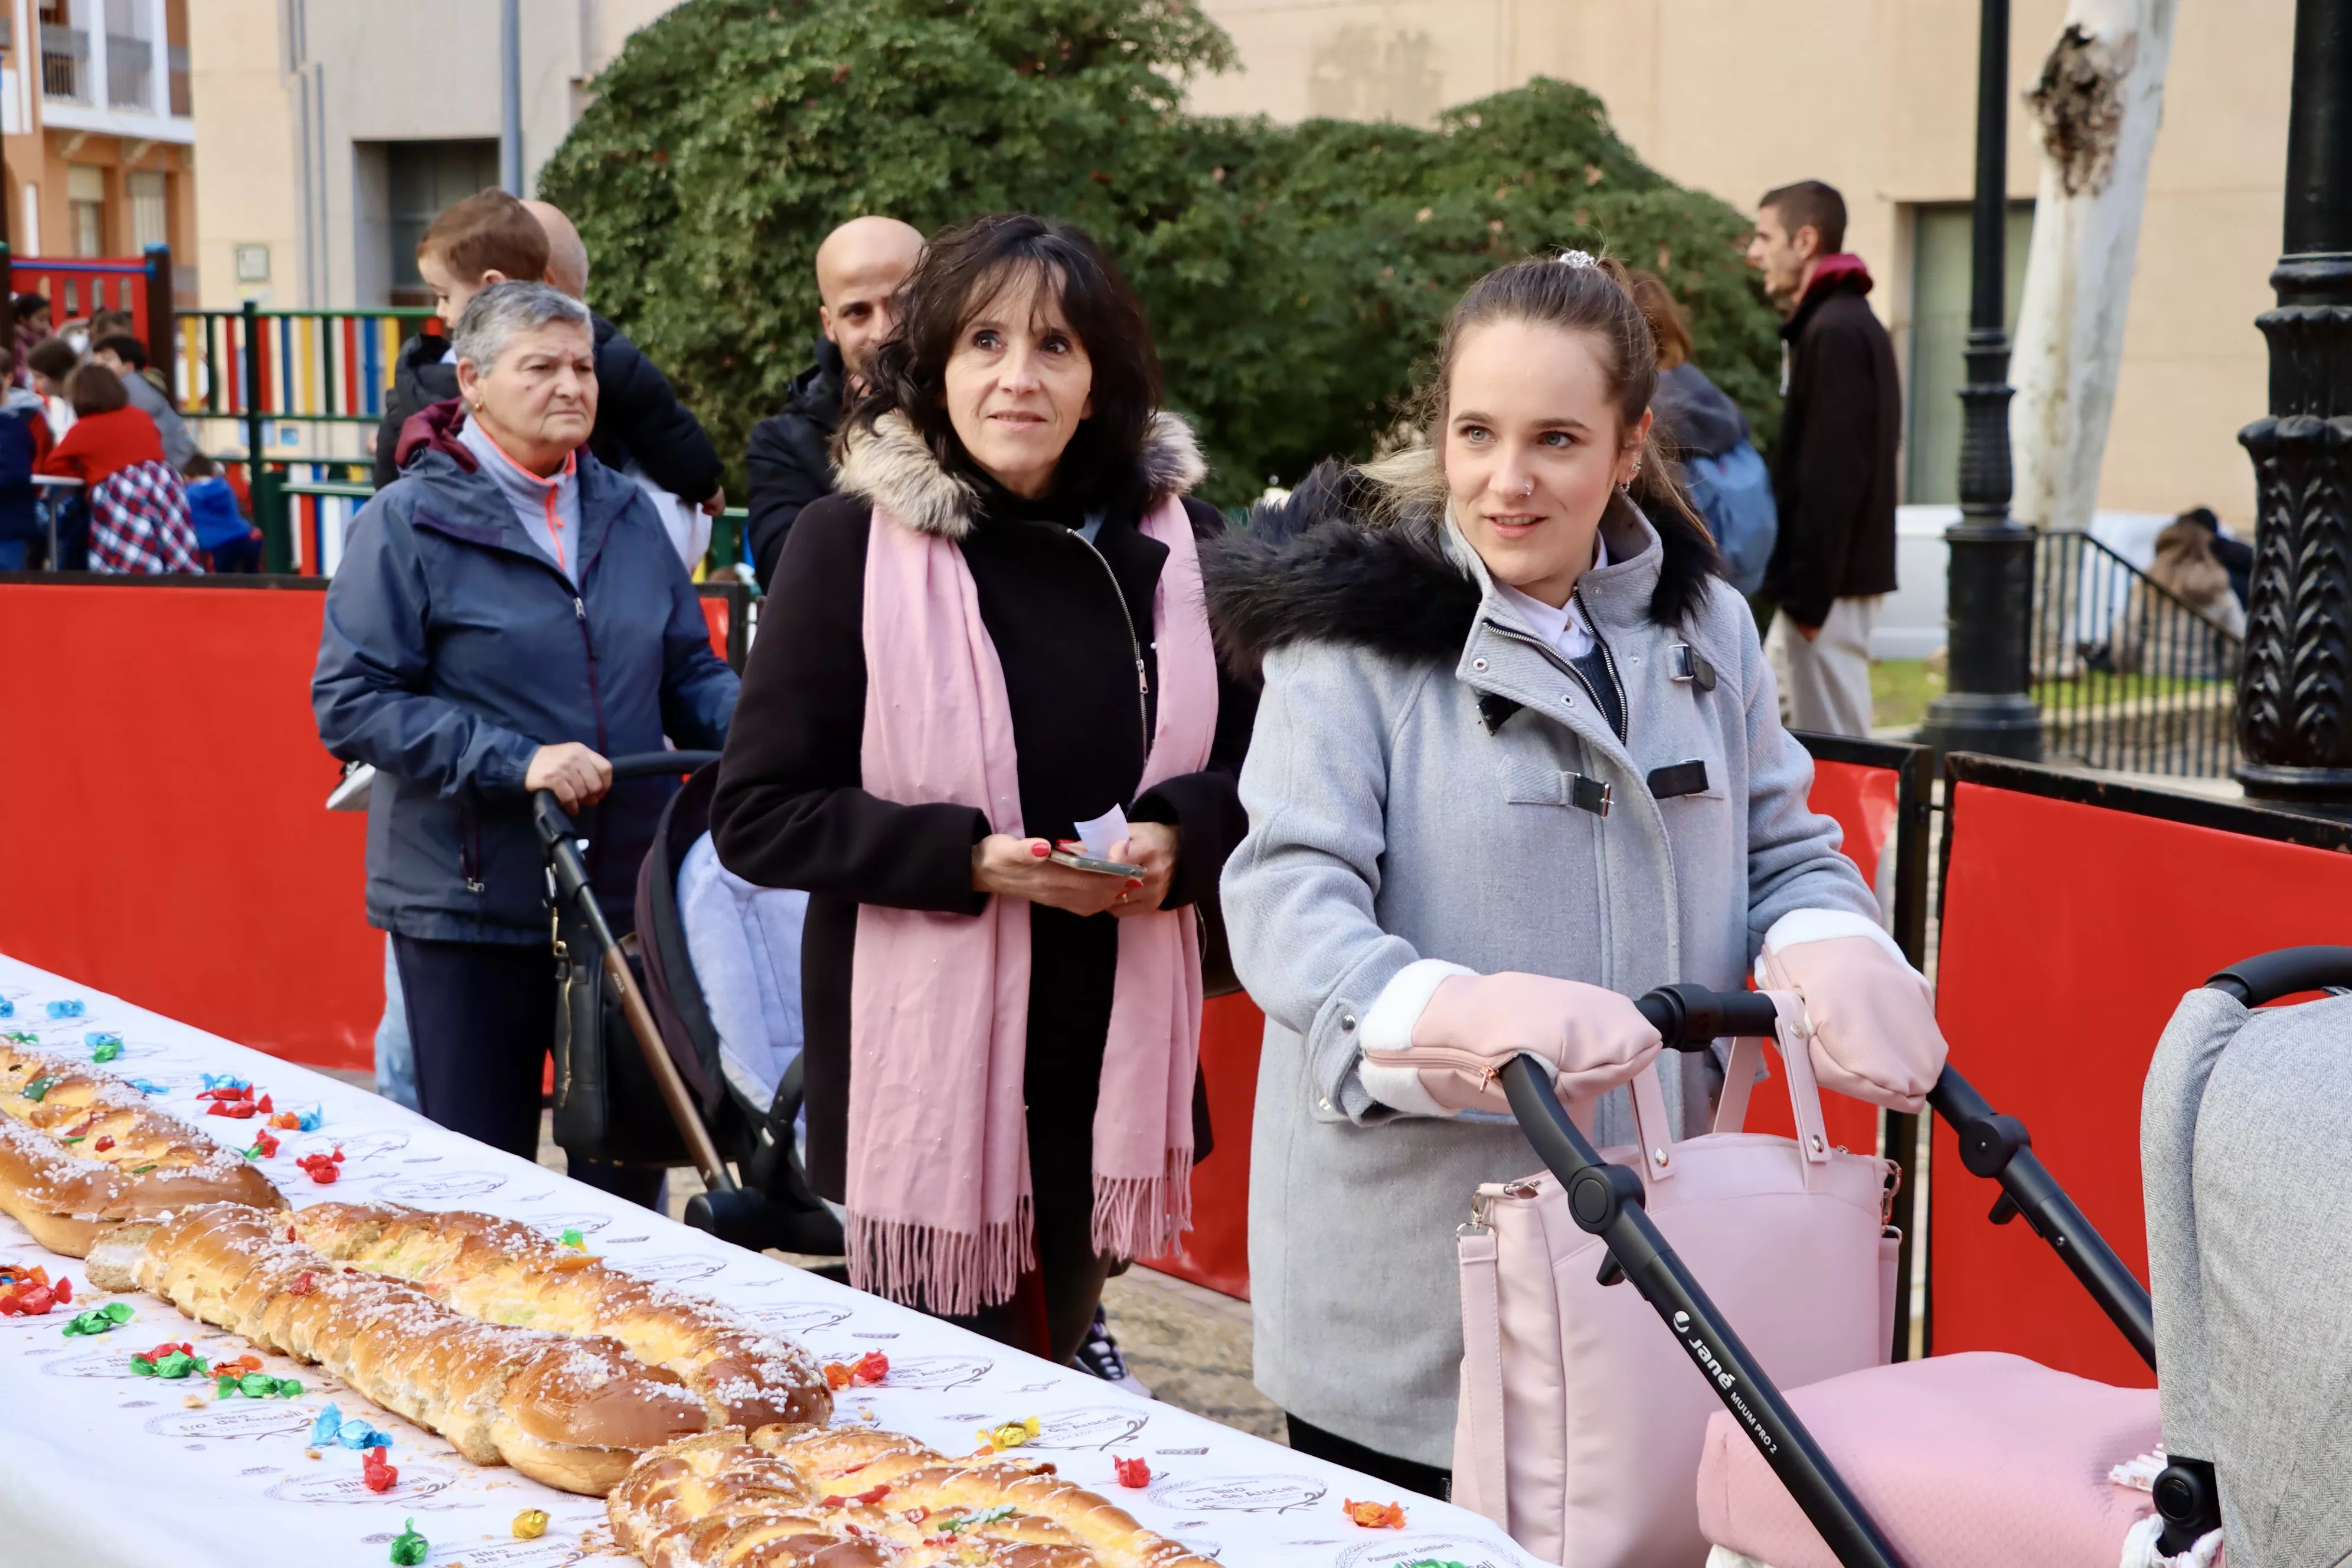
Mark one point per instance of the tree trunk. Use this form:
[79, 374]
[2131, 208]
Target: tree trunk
[2095, 108]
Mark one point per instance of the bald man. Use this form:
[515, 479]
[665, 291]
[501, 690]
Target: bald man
[858, 268]
[638, 415]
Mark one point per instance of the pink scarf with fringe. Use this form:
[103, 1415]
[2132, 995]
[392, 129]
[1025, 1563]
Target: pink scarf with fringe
[939, 1206]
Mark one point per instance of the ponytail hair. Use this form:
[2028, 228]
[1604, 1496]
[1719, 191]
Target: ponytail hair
[1579, 293]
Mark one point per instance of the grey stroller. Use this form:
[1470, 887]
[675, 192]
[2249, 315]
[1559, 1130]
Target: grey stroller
[2245, 1156]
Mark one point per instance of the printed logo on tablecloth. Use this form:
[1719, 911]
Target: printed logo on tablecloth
[547, 1552]
[1238, 1494]
[555, 1224]
[92, 1363]
[1091, 1426]
[675, 1269]
[939, 1373]
[1398, 1551]
[347, 1486]
[357, 1148]
[800, 1317]
[237, 1419]
[433, 1191]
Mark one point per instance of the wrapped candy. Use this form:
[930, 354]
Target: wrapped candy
[376, 1473]
[1375, 1515]
[72, 1007]
[100, 1319]
[1010, 1435]
[530, 1524]
[409, 1549]
[104, 1045]
[1134, 1474]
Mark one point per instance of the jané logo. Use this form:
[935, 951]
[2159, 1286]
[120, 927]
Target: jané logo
[1700, 1352]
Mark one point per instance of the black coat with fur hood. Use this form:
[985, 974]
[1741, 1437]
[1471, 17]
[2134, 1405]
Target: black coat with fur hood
[789, 811]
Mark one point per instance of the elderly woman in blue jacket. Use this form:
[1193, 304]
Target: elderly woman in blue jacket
[507, 614]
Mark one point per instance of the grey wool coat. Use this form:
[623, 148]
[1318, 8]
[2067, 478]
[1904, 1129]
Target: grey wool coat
[1411, 787]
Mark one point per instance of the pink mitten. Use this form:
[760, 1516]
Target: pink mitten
[1872, 1016]
[1474, 1024]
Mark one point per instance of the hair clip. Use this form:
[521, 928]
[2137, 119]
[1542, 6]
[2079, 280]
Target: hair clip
[1576, 258]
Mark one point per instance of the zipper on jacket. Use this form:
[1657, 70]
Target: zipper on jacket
[596, 701]
[1552, 655]
[1134, 643]
[1609, 657]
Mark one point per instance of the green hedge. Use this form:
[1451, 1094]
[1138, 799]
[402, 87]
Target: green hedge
[1294, 275]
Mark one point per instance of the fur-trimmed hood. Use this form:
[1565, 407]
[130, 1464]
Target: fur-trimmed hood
[893, 468]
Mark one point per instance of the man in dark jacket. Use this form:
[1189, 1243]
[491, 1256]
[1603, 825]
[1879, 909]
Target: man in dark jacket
[1833, 466]
[858, 268]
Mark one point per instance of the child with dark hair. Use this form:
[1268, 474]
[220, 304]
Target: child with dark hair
[23, 441]
[229, 543]
[126, 356]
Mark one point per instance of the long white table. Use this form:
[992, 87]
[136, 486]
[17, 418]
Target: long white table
[102, 1467]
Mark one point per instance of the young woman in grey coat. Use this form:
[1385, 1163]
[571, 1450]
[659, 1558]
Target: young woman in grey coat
[1517, 759]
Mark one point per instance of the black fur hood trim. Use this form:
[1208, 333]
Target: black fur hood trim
[1312, 568]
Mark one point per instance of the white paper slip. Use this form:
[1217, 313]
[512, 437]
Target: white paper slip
[1104, 834]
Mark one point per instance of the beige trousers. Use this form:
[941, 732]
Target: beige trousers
[1825, 683]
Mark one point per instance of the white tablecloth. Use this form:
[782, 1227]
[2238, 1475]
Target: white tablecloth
[102, 1468]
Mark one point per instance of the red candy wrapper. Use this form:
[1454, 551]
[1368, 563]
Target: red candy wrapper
[322, 1168]
[374, 1474]
[1376, 1515]
[1133, 1474]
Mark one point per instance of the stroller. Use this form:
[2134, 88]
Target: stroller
[686, 1091]
[1769, 1491]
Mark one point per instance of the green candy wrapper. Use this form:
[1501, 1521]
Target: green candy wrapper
[100, 1320]
[107, 1051]
[408, 1548]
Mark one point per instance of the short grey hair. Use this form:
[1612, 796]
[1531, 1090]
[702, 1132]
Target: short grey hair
[494, 316]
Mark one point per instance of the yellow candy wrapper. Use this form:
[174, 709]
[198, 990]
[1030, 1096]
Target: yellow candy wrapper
[1010, 1435]
[530, 1524]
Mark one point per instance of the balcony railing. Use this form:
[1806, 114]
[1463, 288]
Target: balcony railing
[130, 63]
[182, 100]
[64, 63]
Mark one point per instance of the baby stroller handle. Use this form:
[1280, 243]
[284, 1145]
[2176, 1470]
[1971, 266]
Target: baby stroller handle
[1606, 1202]
[571, 885]
[653, 764]
[2264, 978]
[1999, 1147]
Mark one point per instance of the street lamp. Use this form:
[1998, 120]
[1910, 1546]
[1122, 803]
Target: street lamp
[1990, 582]
[2294, 689]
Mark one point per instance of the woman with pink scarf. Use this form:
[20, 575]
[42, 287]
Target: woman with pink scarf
[992, 634]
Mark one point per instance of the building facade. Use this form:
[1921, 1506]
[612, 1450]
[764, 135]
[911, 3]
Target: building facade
[337, 130]
[1878, 98]
[333, 131]
[96, 132]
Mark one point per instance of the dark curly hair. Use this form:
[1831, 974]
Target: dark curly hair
[961, 270]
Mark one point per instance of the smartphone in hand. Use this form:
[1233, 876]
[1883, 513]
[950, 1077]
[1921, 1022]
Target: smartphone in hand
[1078, 862]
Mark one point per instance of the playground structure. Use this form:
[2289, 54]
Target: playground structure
[291, 396]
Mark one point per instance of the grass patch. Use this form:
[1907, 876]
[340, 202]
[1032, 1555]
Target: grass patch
[1901, 688]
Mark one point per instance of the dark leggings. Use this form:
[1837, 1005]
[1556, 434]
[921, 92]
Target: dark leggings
[1426, 1480]
[481, 1015]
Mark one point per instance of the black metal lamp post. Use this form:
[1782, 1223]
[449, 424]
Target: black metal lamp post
[1987, 707]
[2294, 692]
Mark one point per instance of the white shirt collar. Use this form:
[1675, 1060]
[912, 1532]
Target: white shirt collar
[1565, 628]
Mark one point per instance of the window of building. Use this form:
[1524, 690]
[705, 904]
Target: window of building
[151, 212]
[65, 53]
[129, 55]
[85, 208]
[423, 179]
[1939, 338]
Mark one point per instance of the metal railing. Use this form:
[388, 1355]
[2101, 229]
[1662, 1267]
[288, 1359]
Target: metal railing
[64, 55]
[2129, 677]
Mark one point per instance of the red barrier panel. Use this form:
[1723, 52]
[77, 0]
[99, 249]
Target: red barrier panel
[1215, 1251]
[164, 793]
[2076, 916]
[167, 836]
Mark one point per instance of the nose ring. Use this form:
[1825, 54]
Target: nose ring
[1531, 491]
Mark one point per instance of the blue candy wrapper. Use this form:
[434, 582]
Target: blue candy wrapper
[71, 1008]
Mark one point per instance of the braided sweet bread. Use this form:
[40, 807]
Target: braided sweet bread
[802, 1497]
[81, 1155]
[573, 1410]
[503, 1272]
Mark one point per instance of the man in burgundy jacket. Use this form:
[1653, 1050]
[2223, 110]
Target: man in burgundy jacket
[1834, 464]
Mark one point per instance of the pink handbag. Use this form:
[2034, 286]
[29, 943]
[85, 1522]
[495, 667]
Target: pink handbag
[1581, 1419]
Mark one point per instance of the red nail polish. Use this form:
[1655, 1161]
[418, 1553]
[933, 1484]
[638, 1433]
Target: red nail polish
[1039, 850]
